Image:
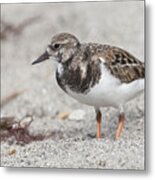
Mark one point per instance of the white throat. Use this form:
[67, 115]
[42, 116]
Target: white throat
[60, 68]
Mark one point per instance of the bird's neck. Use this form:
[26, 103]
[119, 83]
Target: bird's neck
[60, 69]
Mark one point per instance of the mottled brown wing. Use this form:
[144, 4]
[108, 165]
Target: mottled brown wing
[122, 64]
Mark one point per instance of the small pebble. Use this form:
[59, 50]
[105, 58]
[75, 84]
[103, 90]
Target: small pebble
[63, 115]
[77, 115]
[12, 151]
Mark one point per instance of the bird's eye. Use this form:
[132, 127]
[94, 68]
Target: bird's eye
[56, 46]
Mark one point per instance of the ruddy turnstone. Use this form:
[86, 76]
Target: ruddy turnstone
[95, 74]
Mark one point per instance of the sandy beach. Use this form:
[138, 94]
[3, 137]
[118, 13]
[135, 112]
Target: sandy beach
[68, 126]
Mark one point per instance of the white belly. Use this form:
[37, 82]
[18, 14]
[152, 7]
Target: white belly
[109, 91]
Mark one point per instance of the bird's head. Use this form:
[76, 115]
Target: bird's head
[62, 48]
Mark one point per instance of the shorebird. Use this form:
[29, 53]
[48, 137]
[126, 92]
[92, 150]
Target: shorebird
[95, 74]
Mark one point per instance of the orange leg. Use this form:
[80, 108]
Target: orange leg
[120, 125]
[98, 118]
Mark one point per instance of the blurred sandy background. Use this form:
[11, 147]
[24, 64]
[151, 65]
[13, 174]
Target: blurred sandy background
[26, 29]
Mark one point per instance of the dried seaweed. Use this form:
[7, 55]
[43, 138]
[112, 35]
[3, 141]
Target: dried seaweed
[7, 28]
[10, 97]
[18, 129]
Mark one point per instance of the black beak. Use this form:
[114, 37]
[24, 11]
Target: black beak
[43, 57]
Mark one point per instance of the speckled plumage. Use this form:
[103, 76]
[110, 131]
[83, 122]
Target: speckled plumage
[95, 74]
[82, 71]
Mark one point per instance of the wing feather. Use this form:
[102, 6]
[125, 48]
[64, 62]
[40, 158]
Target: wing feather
[122, 64]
